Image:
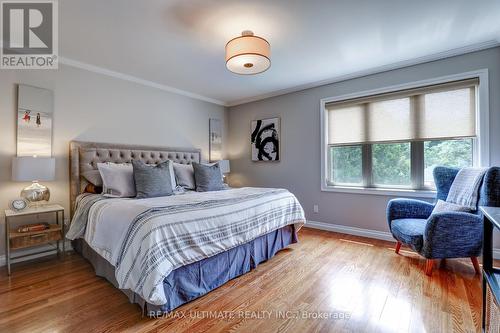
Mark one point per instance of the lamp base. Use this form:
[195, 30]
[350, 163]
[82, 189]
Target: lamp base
[36, 193]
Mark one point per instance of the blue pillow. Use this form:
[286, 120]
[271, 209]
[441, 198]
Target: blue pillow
[208, 177]
[152, 181]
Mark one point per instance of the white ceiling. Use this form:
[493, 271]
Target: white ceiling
[180, 43]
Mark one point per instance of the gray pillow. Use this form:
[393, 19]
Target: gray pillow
[184, 174]
[93, 177]
[152, 181]
[208, 177]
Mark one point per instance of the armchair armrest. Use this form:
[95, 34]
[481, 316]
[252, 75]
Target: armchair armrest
[408, 208]
[453, 235]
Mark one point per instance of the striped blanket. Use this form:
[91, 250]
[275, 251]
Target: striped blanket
[147, 239]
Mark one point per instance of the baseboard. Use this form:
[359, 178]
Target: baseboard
[27, 252]
[375, 234]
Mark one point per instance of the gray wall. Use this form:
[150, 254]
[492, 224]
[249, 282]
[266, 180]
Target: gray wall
[94, 107]
[299, 168]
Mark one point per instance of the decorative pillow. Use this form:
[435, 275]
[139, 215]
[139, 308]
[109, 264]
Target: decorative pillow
[173, 182]
[208, 177]
[152, 181]
[184, 174]
[443, 206]
[117, 179]
[91, 188]
[93, 177]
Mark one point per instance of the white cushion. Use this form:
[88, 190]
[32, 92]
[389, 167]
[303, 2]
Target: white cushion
[117, 179]
[172, 175]
[443, 206]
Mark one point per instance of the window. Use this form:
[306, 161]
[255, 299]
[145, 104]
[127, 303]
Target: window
[391, 164]
[395, 140]
[346, 165]
[455, 153]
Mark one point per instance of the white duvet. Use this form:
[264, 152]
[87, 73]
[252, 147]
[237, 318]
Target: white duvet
[145, 239]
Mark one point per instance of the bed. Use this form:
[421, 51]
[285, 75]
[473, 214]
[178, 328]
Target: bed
[164, 252]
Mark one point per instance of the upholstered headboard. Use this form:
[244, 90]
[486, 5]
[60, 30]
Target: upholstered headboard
[84, 156]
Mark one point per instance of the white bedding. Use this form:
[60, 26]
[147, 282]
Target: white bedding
[145, 239]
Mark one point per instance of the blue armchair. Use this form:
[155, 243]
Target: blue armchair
[443, 235]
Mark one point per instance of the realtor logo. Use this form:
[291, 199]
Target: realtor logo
[29, 35]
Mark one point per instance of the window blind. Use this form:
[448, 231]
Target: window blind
[427, 113]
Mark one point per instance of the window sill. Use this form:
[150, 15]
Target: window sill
[381, 191]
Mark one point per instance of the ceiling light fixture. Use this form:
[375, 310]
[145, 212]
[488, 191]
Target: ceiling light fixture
[248, 54]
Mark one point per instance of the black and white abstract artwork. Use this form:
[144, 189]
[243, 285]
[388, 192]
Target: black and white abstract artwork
[266, 140]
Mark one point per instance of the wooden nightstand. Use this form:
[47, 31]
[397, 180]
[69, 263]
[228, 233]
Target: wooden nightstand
[21, 240]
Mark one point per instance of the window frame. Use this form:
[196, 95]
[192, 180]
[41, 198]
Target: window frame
[417, 166]
[480, 142]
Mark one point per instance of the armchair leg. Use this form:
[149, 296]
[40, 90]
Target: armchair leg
[398, 246]
[475, 263]
[428, 266]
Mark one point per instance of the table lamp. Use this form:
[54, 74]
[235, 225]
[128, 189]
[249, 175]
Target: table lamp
[34, 169]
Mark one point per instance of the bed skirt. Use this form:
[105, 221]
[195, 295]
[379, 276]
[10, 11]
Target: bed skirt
[189, 282]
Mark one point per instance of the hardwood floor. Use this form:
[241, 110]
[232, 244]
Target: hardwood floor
[328, 282]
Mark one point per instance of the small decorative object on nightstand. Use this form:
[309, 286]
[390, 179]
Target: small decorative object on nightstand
[16, 238]
[18, 205]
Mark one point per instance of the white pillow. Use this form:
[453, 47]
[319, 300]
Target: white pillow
[117, 179]
[184, 174]
[443, 206]
[172, 175]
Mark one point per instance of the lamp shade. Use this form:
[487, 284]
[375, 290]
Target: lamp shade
[29, 168]
[248, 54]
[224, 166]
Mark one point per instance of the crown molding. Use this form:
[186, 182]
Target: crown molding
[122, 76]
[385, 68]
[131, 78]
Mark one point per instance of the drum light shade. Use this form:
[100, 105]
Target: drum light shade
[248, 54]
[29, 168]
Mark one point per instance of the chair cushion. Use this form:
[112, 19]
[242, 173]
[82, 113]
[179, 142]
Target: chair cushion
[409, 232]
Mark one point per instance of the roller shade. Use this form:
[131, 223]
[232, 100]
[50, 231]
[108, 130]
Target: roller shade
[427, 113]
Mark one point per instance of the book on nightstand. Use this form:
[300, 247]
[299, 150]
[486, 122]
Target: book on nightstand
[33, 227]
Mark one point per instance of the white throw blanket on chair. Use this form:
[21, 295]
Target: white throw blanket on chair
[464, 190]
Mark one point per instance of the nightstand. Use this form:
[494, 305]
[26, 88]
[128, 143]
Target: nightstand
[22, 240]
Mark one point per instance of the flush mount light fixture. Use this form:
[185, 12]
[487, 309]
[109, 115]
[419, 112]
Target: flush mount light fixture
[248, 54]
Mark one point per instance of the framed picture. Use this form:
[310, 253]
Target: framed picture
[215, 143]
[265, 139]
[34, 121]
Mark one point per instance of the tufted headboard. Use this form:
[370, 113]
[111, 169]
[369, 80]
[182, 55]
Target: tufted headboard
[84, 156]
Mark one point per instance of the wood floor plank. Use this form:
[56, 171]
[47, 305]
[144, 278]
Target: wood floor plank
[329, 282]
